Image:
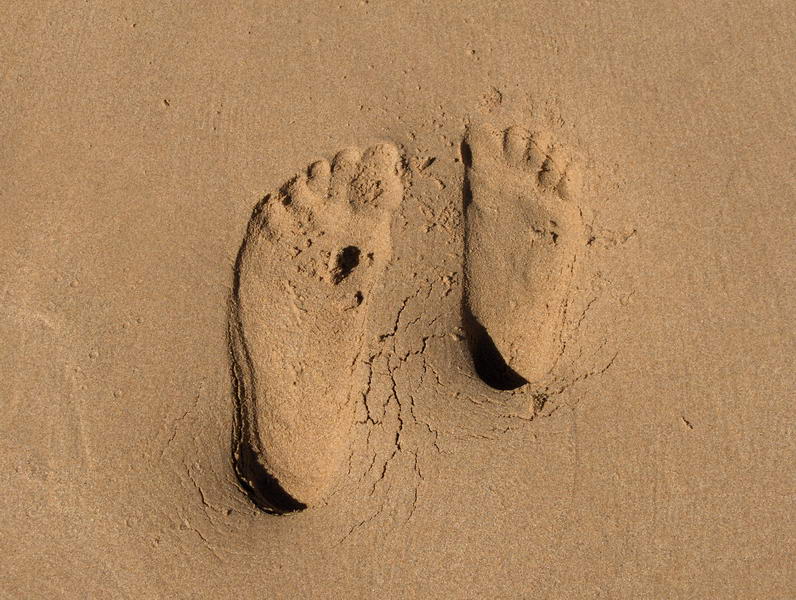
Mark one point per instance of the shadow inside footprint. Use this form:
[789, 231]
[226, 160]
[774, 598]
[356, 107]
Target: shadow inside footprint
[489, 365]
[263, 489]
[346, 261]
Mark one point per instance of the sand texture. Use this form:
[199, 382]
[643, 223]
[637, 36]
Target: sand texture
[375, 299]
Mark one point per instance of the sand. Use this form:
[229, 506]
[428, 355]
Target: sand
[397, 300]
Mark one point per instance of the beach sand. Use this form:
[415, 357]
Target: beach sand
[365, 299]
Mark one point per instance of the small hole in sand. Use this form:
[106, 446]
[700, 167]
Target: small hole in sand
[346, 261]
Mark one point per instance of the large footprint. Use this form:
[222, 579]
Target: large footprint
[523, 229]
[312, 256]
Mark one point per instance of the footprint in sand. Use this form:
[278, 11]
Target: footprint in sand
[313, 254]
[522, 232]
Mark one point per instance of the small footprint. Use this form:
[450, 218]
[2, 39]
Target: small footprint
[522, 232]
[312, 256]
